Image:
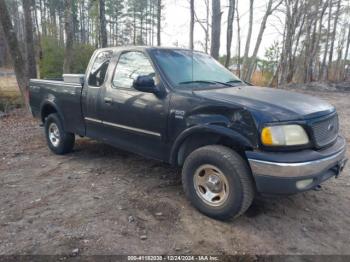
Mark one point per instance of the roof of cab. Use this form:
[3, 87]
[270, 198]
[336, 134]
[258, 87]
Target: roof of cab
[141, 48]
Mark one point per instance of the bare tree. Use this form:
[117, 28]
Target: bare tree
[249, 36]
[103, 23]
[346, 56]
[269, 10]
[17, 58]
[204, 24]
[230, 18]
[216, 29]
[294, 10]
[321, 8]
[330, 58]
[68, 53]
[339, 64]
[310, 39]
[207, 5]
[191, 24]
[159, 19]
[30, 51]
[323, 73]
[238, 41]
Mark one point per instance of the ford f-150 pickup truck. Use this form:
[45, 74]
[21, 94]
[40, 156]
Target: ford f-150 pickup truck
[232, 140]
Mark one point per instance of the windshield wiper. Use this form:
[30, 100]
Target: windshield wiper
[205, 82]
[196, 81]
[235, 82]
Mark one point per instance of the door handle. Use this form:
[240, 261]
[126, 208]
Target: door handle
[108, 100]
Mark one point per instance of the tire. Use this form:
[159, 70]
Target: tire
[218, 163]
[59, 141]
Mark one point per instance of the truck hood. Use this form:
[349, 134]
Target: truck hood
[280, 105]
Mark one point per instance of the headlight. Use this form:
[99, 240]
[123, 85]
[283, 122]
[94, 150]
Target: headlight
[287, 135]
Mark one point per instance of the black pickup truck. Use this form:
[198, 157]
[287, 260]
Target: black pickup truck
[232, 140]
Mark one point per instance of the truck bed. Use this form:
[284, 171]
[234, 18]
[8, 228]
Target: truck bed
[64, 97]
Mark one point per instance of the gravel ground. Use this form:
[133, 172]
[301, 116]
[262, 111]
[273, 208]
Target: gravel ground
[101, 200]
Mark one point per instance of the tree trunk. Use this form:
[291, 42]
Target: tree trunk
[287, 47]
[311, 22]
[53, 24]
[30, 52]
[249, 36]
[338, 67]
[103, 24]
[296, 46]
[316, 50]
[230, 18]
[216, 29]
[42, 18]
[152, 23]
[159, 20]
[330, 58]
[313, 54]
[238, 42]
[83, 23]
[323, 73]
[116, 31]
[68, 52]
[268, 12]
[346, 54]
[207, 5]
[191, 24]
[292, 21]
[134, 25]
[38, 40]
[11, 40]
[205, 26]
[141, 28]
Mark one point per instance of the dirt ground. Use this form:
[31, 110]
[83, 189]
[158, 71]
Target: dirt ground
[101, 200]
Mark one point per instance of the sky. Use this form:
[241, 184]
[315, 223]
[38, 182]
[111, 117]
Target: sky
[177, 18]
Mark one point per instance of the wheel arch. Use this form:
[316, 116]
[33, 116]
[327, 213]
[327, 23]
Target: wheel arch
[199, 136]
[49, 107]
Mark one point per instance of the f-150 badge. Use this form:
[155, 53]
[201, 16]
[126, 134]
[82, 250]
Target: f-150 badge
[179, 114]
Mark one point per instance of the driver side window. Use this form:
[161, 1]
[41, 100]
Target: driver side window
[130, 66]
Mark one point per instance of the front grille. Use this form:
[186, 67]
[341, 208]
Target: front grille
[325, 131]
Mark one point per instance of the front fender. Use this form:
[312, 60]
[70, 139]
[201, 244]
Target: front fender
[234, 136]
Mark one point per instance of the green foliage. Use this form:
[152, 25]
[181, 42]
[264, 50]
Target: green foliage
[222, 59]
[272, 54]
[82, 55]
[51, 64]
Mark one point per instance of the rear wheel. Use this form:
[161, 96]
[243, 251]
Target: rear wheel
[59, 141]
[218, 182]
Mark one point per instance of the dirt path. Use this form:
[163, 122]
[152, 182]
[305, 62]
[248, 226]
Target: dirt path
[102, 200]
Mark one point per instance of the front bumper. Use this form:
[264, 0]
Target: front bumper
[290, 173]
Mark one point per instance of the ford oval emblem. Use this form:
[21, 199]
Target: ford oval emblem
[330, 127]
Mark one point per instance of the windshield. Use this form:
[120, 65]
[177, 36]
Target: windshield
[183, 67]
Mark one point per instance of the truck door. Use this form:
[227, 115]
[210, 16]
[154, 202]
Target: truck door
[134, 120]
[94, 85]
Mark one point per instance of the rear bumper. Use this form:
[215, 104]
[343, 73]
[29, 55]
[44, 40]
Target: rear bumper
[290, 173]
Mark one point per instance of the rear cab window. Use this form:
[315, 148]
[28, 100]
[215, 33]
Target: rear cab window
[99, 68]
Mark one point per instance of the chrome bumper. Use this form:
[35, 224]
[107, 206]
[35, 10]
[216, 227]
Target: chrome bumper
[299, 169]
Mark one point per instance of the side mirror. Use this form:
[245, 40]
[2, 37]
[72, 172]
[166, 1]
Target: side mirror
[145, 84]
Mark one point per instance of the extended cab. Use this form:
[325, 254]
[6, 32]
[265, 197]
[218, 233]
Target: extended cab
[232, 140]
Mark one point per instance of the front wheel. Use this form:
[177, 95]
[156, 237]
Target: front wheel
[218, 182]
[59, 141]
